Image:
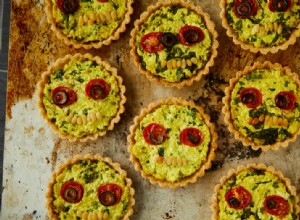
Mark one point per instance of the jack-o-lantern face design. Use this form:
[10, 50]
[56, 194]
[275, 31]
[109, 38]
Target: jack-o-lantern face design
[174, 42]
[172, 142]
[89, 21]
[81, 97]
[90, 189]
[264, 105]
[255, 194]
[263, 23]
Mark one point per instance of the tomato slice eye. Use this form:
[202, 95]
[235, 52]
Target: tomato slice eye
[109, 194]
[245, 8]
[63, 96]
[190, 35]
[154, 134]
[238, 198]
[191, 136]
[68, 6]
[151, 42]
[279, 5]
[285, 100]
[276, 205]
[97, 89]
[251, 97]
[168, 39]
[71, 192]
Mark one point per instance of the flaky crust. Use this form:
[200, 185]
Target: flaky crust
[209, 25]
[247, 46]
[232, 172]
[76, 159]
[227, 98]
[210, 155]
[88, 45]
[59, 64]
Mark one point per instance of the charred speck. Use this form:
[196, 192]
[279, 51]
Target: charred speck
[215, 165]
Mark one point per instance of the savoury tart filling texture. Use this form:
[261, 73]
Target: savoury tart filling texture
[263, 23]
[255, 193]
[90, 187]
[81, 97]
[265, 106]
[172, 144]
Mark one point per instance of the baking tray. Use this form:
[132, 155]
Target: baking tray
[32, 151]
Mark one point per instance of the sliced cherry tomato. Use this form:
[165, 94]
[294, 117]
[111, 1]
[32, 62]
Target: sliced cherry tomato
[109, 194]
[63, 96]
[151, 42]
[285, 100]
[251, 97]
[276, 205]
[190, 35]
[238, 197]
[71, 192]
[245, 8]
[155, 134]
[191, 137]
[68, 6]
[97, 89]
[102, 0]
[279, 5]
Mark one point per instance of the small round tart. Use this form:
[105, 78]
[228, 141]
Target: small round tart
[261, 26]
[174, 43]
[255, 192]
[172, 142]
[88, 23]
[81, 97]
[90, 187]
[262, 106]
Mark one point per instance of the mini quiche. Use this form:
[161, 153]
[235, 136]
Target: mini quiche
[90, 187]
[174, 43]
[261, 25]
[262, 106]
[88, 23]
[172, 142]
[81, 97]
[255, 192]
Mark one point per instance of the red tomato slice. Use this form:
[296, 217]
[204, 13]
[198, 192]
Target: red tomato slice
[151, 42]
[102, 0]
[63, 96]
[285, 100]
[154, 134]
[280, 5]
[251, 97]
[109, 194]
[191, 137]
[245, 8]
[190, 35]
[276, 205]
[97, 89]
[71, 192]
[238, 198]
[68, 6]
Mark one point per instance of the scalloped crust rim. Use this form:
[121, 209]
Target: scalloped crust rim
[291, 189]
[209, 25]
[88, 45]
[76, 159]
[198, 173]
[60, 63]
[226, 108]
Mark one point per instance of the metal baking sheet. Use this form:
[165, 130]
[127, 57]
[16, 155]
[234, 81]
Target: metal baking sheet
[32, 151]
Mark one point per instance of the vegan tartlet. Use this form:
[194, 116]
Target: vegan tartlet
[262, 106]
[174, 43]
[90, 187]
[255, 192]
[261, 26]
[172, 142]
[88, 23]
[81, 97]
